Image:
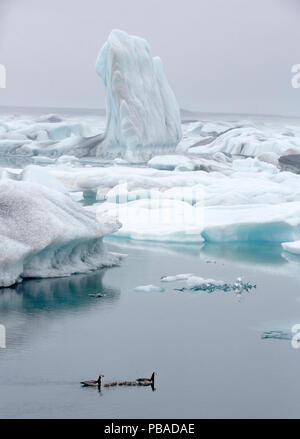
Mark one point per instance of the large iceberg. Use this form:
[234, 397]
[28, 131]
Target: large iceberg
[44, 233]
[143, 117]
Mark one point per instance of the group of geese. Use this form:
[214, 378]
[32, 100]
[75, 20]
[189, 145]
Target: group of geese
[137, 382]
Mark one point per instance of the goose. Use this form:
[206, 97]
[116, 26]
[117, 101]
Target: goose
[92, 383]
[146, 381]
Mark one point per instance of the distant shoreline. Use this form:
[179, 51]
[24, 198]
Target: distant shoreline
[185, 114]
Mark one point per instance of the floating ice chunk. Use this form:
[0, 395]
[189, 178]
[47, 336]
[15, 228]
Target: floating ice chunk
[290, 163]
[277, 335]
[177, 277]
[13, 136]
[277, 223]
[42, 135]
[15, 147]
[196, 283]
[119, 161]
[102, 193]
[56, 131]
[118, 194]
[157, 220]
[190, 195]
[37, 174]
[254, 165]
[67, 160]
[252, 141]
[44, 233]
[42, 160]
[76, 196]
[170, 162]
[185, 167]
[269, 157]
[139, 194]
[149, 289]
[10, 173]
[51, 118]
[292, 247]
[143, 116]
[121, 194]
[215, 128]
[99, 208]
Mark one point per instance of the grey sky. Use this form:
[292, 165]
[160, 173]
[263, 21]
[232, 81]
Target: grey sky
[218, 55]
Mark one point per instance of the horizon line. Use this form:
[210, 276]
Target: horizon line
[192, 112]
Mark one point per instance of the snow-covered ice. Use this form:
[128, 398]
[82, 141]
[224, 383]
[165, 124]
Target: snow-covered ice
[156, 220]
[39, 175]
[44, 233]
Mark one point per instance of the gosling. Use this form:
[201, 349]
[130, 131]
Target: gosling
[127, 383]
[114, 383]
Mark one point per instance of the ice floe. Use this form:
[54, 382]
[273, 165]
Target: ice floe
[222, 196]
[277, 335]
[196, 283]
[292, 247]
[170, 162]
[39, 175]
[44, 233]
[156, 220]
[253, 141]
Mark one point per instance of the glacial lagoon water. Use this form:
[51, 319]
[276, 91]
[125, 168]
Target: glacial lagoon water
[207, 348]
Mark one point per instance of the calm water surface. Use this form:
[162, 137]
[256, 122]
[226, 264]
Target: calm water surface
[207, 348]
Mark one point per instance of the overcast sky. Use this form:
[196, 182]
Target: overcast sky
[218, 55]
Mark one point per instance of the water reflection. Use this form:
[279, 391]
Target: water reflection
[35, 295]
[254, 253]
[250, 253]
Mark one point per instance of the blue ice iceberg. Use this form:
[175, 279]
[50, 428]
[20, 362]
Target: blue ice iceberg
[143, 117]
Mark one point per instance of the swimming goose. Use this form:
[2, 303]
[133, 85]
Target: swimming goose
[146, 381]
[92, 383]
